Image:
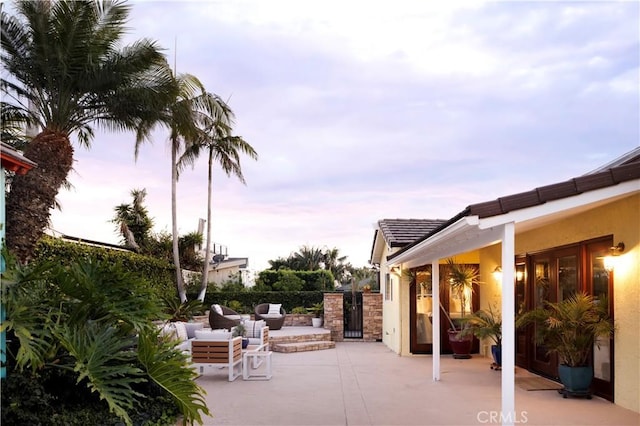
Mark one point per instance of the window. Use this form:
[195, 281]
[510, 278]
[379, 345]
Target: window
[388, 287]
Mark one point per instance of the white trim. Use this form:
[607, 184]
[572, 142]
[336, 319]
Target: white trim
[435, 318]
[508, 325]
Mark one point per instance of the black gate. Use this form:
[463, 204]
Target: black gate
[353, 315]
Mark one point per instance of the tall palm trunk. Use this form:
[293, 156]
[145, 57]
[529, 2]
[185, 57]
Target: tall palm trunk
[182, 294]
[33, 195]
[207, 256]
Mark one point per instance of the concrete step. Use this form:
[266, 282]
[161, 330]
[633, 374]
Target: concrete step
[302, 346]
[321, 334]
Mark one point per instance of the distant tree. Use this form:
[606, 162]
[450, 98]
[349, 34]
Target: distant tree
[307, 259]
[313, 258]
[335, 263]
[279, 263]
[189, 257]
[133, 222]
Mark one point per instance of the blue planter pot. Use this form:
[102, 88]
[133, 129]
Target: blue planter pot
[575, 379]
[496, 352]
[245, 342]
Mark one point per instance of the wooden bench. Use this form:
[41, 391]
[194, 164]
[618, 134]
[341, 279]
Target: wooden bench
[218, 353]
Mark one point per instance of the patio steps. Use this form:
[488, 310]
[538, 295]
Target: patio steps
[315, 341]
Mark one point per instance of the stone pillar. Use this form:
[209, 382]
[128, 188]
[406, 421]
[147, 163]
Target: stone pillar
[334, 315]
[371, 317]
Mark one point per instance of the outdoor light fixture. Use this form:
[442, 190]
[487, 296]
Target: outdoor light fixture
[395, 270]
[497, 273]
[610, 260]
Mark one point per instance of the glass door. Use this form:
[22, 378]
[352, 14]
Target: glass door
[421, 295]
[543, 291]
[520, 306]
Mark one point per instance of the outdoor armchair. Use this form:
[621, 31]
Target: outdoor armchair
[272, 314]
[223, 317]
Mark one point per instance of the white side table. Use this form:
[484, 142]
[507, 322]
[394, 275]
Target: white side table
[252, 358]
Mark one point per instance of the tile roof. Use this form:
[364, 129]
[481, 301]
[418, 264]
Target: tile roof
[556, 191]
[400, 232]
[625, 168]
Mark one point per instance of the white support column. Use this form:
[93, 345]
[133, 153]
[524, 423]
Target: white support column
[508, 325]
[435, 318]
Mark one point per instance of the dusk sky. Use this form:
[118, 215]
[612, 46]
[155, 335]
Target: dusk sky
[365, 110]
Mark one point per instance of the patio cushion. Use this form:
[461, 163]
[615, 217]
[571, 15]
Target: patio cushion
[213, 335]
[252, 328]
[192, 327]
[233, 317]
[274, 309]
[271, 315]
[217, 308]
[181, 331]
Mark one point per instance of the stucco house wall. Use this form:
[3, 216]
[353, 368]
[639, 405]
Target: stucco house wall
[391, 325]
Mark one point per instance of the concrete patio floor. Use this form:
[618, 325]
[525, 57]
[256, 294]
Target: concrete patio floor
[367, 384]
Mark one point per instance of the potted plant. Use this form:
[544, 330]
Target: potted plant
[487, 324]
[318, 311]
[461, 281]
[240, 330]
[571, 328]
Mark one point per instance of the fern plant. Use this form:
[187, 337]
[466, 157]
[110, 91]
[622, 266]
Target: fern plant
[93, 321]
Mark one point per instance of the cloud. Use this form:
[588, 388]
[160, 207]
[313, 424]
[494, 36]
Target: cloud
[366, 110]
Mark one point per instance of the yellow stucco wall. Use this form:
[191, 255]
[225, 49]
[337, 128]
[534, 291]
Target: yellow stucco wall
[391, 324]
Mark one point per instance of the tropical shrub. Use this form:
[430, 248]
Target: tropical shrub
[89, 325]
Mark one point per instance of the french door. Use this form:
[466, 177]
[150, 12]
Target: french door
[553, 276]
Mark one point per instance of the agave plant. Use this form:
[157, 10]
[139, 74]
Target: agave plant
[93, 321]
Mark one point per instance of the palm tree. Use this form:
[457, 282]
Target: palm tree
[225, 149]
[191, 109]
[65, 74]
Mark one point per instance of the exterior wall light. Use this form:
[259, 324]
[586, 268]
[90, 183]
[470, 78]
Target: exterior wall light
[497, 274]
[610, 260]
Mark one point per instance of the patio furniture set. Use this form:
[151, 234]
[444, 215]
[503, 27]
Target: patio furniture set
[218, 347]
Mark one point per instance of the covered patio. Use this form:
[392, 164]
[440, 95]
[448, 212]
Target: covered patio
[367, 384]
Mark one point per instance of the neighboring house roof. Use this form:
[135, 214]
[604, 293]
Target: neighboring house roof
[92, 242]
[624, 169]
[400, 232]
[14, 161]
[632, 156]
[231, 262]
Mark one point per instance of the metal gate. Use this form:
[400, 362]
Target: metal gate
[352, 315]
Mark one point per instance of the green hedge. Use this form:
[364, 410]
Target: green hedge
[250, 299]
[320, 280]
[160, 274]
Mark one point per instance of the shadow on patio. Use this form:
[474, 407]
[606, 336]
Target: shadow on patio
[367, 384]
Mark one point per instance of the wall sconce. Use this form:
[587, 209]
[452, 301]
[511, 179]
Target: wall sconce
[610, 260]
[395, 270]
[497, 274]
